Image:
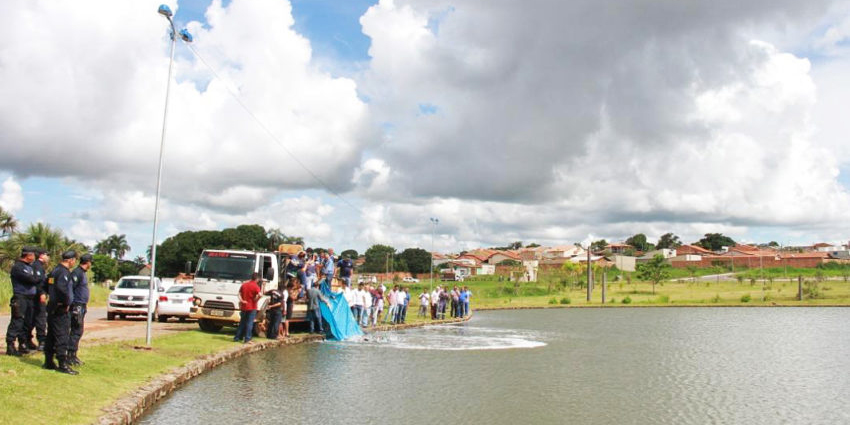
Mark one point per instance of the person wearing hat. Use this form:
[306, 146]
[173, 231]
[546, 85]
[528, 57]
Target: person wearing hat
[24, 282]
[58, 319]
[42, 258]
[78, 308]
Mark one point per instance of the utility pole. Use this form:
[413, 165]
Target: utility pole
[435, 221]
[589, 275]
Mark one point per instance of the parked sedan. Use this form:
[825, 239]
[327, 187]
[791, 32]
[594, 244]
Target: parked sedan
[175, 302]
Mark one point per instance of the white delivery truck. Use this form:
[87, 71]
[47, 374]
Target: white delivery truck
[217, 279]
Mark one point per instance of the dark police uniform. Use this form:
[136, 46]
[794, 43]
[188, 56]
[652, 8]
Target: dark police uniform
[24, 282]
[40, 308]
[274, 314]
[78, 309]
[58, 317]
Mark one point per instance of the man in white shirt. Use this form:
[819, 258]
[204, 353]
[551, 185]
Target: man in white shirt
[423, 303]
[366, 299]
[390, 316]
[435, 295]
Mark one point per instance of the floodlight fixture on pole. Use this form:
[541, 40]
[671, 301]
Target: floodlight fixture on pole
[435, 221]
[165, 11]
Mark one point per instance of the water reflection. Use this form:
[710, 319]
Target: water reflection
[645, 366]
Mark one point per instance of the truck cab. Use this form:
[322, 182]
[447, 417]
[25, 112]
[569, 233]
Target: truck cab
[217, 280]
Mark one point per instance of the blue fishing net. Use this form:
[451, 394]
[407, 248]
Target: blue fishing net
[341, 323]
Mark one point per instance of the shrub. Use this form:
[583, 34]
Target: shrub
[740, 279]
[746, 298]
[663, 299]
[566, 300]
[767, 297]
[613, 300]
[627, 300]
[752, 281]
[553, 301]
[716, 298]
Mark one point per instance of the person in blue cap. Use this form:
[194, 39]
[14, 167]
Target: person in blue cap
[78, 307]
[24, 282]
[58, 317]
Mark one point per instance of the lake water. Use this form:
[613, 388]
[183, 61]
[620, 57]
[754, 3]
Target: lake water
[599, 366]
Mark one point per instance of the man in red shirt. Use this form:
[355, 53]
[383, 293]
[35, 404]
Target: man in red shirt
[249, 294]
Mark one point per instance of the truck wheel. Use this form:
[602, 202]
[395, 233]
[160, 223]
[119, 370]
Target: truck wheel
[162, 318]
[110, 316]
[208, 325]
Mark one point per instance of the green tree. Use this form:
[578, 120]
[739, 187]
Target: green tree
[715, 241]
[114, 245]
[352, 254]
[639, 242]
[417, 260]
[127, 268]
[598, 245]
[509, 263]
[377, 257]
[669, 241]
[8, 223]
[104, 267]
[654, 270]
[532, 245]
[773, 244]
[44, 236]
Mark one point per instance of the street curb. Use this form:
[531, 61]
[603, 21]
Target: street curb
[131, 407]
[128, 409]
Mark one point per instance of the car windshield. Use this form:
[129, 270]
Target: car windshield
[179, 290]
[225, 265]
[134, 283]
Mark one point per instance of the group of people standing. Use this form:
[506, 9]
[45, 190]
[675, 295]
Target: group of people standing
[367, 303]
[303, 272]
[439, 299]
[54, 305]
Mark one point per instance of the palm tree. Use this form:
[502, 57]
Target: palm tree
[8, 223]
[120, 245]
[114, 246]
[44, 236]
[276, 237]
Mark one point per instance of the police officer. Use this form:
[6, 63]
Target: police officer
[40, 306]
[78, 308]
[58, 317]
[24, 283]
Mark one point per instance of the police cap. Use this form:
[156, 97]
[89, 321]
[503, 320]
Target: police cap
[28, 250]
[39, 251]
[86, 258]
[69, 254]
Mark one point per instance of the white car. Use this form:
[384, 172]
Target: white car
[410, 280]
[175, 302]
[130, 297]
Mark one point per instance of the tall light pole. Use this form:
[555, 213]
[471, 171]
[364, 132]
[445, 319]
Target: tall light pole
[165, 11]
[435, 221]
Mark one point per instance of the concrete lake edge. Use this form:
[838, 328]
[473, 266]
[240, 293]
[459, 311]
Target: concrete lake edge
[129, 408]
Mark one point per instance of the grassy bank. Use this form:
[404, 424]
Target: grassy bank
[98, 294]
[30, 394]
[492, 293]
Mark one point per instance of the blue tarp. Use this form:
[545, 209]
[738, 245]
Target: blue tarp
[341, 323]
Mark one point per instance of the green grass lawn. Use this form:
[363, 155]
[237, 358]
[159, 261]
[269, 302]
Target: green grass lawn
[30, 394]
[490, 293]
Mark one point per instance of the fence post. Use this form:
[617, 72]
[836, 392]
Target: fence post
[800, 288]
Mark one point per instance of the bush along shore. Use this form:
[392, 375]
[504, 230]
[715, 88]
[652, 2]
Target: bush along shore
[121, 380]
